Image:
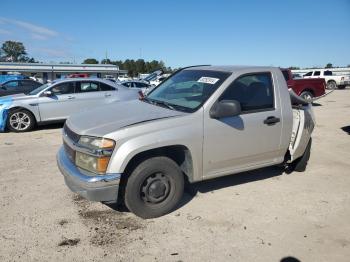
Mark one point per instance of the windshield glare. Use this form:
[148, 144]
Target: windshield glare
[189, 89]
[39, 89]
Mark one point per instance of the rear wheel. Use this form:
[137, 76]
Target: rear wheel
[154, 188]
[20, 120]
[307, 95]
[331, 84]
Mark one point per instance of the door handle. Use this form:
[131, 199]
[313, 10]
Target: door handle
[271, 120]
[107, 95]
[71, 97]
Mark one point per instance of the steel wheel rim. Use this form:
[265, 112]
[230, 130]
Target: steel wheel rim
[19, 121]
[307, 97]
[155, 189]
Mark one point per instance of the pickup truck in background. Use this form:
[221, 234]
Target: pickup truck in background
[202, 122]
[306, 88]
[333, 81]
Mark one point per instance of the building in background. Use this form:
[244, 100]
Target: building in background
[49, 72]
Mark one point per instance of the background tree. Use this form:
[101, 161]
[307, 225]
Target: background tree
[329, 65]
[106, 61]
[13, 51]
[294, 68]
[90, 61]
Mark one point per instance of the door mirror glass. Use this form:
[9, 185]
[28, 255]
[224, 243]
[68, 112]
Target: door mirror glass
[225, 108]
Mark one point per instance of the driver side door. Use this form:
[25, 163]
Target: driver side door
[247, 141]
[60, 104]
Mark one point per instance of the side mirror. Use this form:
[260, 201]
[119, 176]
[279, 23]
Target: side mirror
[225, 108]
[47, 93]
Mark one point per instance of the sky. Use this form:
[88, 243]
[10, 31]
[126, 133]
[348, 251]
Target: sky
[301, 33]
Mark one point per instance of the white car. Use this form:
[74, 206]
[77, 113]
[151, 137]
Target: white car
[122, 78]
[159, 79]
[138, 85]
[333, 81]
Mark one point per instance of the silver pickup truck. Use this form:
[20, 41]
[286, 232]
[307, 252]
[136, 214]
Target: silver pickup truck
[202, 122]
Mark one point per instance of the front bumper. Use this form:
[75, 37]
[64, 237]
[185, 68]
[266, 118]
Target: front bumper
[102, 188]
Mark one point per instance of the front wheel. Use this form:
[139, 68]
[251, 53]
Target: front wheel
[20, 120]
[154, 188]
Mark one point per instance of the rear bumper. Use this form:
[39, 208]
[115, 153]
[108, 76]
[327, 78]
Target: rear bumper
[102, 188]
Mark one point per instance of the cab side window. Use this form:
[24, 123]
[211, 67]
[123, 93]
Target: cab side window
[253, 91]
[11, 84]
[105, 87]
[63, 89]
[127, 84]
[85, 87]
[308, 74]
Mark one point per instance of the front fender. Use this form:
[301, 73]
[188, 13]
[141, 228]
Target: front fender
[189, 138]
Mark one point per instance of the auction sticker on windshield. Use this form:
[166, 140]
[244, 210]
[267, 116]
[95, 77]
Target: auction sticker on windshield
[208, 80]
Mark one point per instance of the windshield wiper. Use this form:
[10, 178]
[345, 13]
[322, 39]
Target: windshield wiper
[158, 102]
[162, 103]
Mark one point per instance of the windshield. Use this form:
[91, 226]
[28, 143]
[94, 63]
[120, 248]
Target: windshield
[39, 89]
[188, 89]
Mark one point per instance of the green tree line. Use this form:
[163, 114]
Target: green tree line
[134, 67]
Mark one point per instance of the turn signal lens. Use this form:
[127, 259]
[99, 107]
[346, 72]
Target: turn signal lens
[107, 143]
[102, 164]
[96, 142]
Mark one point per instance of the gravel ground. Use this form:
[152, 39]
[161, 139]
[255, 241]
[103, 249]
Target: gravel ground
[263, 215]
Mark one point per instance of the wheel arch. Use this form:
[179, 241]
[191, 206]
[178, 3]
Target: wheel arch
[27, 109]
[308, 89]
[180, 154]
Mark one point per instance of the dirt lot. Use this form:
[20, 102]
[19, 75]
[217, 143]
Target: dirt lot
[264, 215]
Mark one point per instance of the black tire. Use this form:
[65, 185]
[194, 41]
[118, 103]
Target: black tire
[26, 123]
[154, 188]
[341, 87]
[331, 84]
[300, 164]
[307, 95]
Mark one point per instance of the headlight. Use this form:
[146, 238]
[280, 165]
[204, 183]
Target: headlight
[98, 154]
[92, 163]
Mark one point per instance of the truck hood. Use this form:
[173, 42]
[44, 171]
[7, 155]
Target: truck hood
[112, 117]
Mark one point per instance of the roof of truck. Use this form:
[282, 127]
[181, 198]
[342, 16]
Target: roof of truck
[231, 68]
